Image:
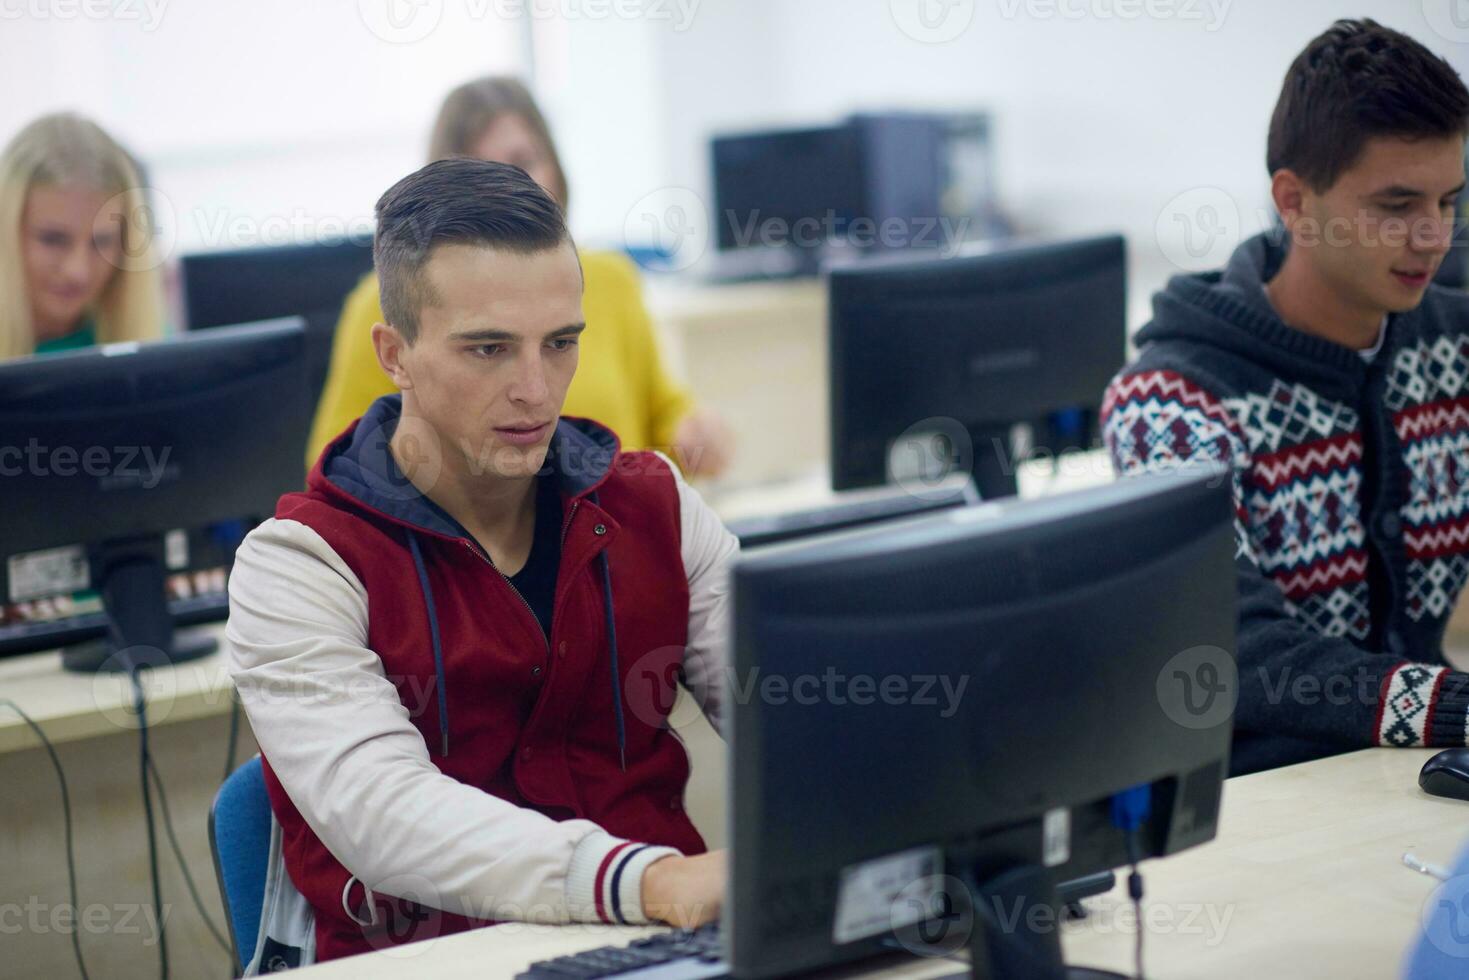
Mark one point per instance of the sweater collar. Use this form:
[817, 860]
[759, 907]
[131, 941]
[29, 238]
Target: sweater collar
[358, 467]
[1229, 309]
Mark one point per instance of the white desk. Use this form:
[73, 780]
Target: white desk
[1305, 880]
[71, 706]
[90, 721]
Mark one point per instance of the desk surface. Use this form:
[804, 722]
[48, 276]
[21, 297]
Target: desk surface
[70, 706]
[1305, 880]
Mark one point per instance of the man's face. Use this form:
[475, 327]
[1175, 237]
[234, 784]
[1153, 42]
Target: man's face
[1379, 234]
[495, 354]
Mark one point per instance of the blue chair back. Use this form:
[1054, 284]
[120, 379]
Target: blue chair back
[239, 836]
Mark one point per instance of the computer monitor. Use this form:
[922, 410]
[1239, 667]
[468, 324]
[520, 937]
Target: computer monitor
[798, 187]
[110, 452]
[954, 352]
[963, 695]
[248, 285]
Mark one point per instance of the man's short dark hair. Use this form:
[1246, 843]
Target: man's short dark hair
[1359, 81]
[455, 202]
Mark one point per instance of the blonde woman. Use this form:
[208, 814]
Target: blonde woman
[621, 383]
[77, 266]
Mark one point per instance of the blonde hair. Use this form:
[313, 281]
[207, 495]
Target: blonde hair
[65, 149]
[469, 110]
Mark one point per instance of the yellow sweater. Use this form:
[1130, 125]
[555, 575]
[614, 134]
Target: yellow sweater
[620, 377]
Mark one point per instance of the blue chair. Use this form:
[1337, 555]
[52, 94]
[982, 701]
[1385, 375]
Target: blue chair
[239, 837]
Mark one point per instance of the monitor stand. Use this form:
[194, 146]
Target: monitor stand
[132, 582]
[994, 464]
[1001, 945]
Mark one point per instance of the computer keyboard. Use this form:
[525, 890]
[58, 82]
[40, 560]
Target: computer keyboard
[681, 954]
[754, 532]
[698, 954]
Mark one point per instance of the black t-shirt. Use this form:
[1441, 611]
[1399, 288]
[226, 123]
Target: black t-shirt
[536, 582]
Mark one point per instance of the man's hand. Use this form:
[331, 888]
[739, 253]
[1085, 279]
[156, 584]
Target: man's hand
[685, 891]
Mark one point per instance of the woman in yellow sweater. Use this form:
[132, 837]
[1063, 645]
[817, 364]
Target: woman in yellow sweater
[622, 382]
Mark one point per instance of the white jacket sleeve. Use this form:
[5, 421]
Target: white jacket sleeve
[340, 741]
[709, 549]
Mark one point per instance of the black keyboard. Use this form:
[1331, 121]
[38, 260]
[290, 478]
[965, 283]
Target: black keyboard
[840, 515]
[678, 955]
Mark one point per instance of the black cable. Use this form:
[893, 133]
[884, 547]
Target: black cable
[1135, 892]
[141, 708]
[71, 863]
[178, 854]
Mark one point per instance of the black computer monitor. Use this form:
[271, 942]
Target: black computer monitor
[106, 453]
[799, 187]
[967, 693]
[962, 349]
[248, 285]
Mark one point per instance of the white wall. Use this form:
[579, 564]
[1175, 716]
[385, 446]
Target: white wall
[285, 119]
[1151, 125]
[263, 121]
[1102, 122]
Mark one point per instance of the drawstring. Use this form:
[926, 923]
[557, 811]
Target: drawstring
[612, 650]
[433, 627]
[616, 674]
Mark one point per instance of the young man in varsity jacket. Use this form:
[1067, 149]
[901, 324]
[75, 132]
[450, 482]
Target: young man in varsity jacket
[444, 644]
[1333, 379]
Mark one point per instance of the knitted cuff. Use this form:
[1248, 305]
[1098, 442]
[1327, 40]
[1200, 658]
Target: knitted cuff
[1448, 719]
[605, 880]
[1423, 705]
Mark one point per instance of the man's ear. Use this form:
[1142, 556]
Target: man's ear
[390, 346]
[1288, 191]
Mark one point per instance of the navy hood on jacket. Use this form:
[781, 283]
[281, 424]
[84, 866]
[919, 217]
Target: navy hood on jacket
[358, 469]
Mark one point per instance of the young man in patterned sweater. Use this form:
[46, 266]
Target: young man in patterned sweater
[1333, 379]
